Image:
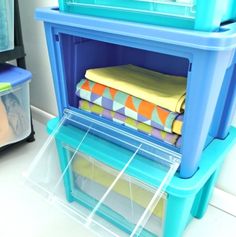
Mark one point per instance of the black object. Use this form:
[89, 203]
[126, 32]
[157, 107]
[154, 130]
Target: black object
[18, 54]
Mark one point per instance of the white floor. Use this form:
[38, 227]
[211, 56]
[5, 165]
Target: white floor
[24, 213]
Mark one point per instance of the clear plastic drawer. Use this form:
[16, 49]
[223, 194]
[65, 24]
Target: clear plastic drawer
[111, 182]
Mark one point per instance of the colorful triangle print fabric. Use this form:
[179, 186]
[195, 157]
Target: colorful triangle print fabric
[170, 138]
[130, 106]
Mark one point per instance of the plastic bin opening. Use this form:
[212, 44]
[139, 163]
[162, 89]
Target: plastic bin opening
[80, 54]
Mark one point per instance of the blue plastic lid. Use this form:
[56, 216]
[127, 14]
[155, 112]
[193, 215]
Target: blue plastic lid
[224, 39]
[11, 76]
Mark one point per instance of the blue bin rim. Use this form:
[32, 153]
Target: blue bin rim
[222, 40]
[12, 76]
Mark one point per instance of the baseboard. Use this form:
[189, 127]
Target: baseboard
[40, 115]
[224, 201]
[221, 199]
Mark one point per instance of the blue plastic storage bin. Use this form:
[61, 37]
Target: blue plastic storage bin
[6, 25]
[77, 43]
[14, 104]
[116, 191]
[189, 14]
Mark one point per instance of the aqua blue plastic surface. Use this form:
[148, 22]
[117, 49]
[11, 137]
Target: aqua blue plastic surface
[13, 75]
[193, 14]
[6, 25]
[212, 158]
[73, 136]
[226, 103]
[187, 198]
[77, 42]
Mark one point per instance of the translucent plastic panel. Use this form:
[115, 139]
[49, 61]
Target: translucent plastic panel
[185, 8]
[105, 179]
[125, 203]
[15, 114]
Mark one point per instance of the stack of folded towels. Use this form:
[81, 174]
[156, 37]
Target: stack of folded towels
[145, 100]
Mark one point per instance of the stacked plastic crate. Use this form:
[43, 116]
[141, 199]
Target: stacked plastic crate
[15, 104]
[6, 25]
[114, 179]
[15, 119]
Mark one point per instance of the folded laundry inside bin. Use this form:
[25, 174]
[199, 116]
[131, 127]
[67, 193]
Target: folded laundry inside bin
[103, 175]
[118, 205]
[167, 91]
[170, 138]
[130, 106]
[6, 132]
[17, 118]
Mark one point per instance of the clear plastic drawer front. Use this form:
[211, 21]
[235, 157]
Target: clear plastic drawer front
[14, 114]
[111, 182]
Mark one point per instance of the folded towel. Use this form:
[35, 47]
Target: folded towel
[160, 89]
[17, 118]
[129, 122]
[122, 208]
[104, 176]
[178, 124]
[130, 106]
[6, 133]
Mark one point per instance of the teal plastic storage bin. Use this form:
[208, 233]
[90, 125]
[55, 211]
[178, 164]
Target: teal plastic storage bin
[6, 25]
[189, 14]
[118, 192]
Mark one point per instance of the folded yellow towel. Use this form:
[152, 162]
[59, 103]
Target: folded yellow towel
[161, 89]
[177, 127]
[104, 177]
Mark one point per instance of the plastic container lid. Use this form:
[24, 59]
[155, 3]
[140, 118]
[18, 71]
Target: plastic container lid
[12, 76]
[224, 39]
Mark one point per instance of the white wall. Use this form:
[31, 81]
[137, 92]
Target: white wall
[42, 92]
[227, 178]
[42, 95]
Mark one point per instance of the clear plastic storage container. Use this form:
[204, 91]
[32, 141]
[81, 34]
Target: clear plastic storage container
[100, 183]
[6, 25]
[102, 178]
[191, 14]
[14, 104]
